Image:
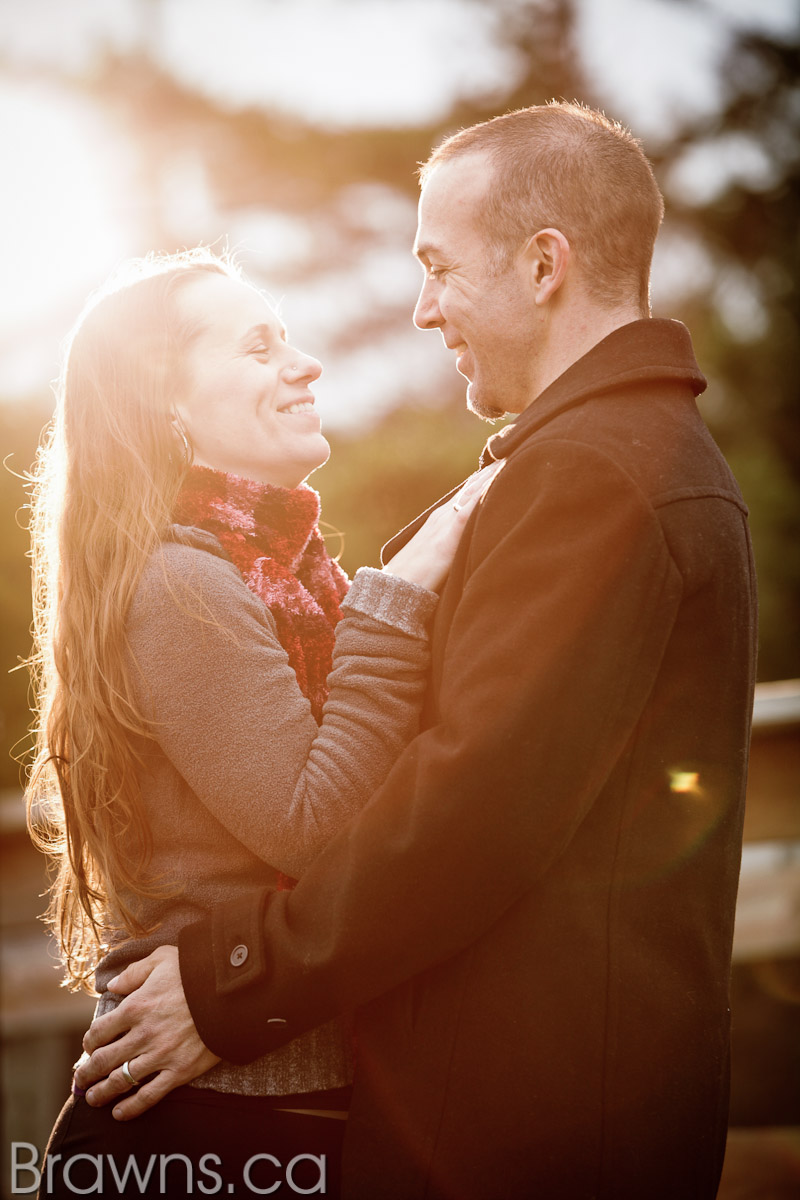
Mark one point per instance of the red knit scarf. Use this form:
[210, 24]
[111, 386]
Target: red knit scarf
[270, 533]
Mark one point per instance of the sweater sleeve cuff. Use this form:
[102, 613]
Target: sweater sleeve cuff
[224, 974]
[392, 600]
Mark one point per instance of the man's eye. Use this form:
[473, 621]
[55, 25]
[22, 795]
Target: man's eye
[435, 272]
[261, 352]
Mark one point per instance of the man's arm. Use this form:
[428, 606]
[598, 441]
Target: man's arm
[569, 596]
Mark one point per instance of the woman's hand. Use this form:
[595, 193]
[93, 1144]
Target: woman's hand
[151, 1032]
[427, 556]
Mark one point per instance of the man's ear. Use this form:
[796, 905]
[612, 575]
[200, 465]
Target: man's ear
[546, 255]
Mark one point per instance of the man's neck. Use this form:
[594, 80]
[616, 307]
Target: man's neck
[571, 338]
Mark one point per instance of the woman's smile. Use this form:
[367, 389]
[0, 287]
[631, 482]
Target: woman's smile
[247, 403]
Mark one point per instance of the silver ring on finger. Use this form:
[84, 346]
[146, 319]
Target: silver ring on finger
[127, 1076]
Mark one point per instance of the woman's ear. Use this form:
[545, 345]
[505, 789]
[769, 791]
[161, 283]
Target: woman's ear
[546, 256]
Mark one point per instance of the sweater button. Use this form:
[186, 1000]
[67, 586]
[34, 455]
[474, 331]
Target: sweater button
[239, 955]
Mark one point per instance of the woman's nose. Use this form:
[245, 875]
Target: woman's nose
[304, 367]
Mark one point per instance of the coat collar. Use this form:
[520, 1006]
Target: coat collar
[649, 350]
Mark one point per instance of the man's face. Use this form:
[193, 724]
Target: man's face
[488, 318]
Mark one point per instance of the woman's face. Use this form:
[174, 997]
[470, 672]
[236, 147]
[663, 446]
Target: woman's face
[246, 404]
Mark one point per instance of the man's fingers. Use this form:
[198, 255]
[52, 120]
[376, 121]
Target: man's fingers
[107, 1059]
[105, 1029]
[133, 976]
[105, 1039]
[115, 1084]
[162, 1083]
[152, 1031]
[146, 1096]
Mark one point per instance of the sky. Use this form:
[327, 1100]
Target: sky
[656, 60]
[65, 214]
[343, 62]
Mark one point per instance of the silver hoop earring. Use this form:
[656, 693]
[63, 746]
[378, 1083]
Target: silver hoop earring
[185, 443]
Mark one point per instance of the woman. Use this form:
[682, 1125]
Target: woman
[202, 727]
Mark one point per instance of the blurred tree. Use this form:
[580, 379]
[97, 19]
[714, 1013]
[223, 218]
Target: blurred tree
[744, 317]
[746, 320]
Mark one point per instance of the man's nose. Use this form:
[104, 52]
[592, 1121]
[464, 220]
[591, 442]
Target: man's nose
[426, 313]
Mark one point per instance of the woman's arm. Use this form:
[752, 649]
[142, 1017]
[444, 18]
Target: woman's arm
[231, 718]
[229, 713]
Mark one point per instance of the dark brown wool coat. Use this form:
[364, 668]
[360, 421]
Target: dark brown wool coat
[535, 912]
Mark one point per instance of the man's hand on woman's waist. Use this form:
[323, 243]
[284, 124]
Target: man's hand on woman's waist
[151, 1034]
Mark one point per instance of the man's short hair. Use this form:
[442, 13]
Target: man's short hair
[571, 168]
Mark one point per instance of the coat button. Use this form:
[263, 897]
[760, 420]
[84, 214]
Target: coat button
[239, 955]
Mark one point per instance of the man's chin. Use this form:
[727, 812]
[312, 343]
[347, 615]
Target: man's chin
[481, 405]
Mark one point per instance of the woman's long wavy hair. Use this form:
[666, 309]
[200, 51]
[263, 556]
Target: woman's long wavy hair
[106, 479]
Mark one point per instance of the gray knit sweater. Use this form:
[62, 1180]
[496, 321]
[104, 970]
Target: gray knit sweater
[241, 783]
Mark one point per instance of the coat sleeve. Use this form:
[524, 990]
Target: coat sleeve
[567, 597]
[228, 713]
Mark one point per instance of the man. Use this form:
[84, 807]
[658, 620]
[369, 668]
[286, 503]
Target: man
[533, 916]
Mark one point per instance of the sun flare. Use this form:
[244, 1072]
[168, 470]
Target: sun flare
[60, 232]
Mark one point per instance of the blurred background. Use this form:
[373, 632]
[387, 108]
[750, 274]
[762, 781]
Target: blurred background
[289, 131]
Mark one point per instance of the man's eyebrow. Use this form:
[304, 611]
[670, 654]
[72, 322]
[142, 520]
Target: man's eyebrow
[424, 250]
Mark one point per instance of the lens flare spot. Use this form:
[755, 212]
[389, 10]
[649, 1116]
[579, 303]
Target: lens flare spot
[684, 782]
